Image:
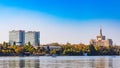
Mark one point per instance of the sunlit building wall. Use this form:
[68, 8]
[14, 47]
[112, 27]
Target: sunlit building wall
[17, 37]
[32, 37]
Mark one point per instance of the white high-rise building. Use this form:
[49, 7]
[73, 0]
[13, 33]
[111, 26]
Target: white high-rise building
[32, 37]
[17, 37]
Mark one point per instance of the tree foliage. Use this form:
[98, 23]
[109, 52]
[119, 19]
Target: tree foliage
[64, 49]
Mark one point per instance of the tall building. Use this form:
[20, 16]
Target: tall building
[101, 40]
[32, 37]
[17, 37]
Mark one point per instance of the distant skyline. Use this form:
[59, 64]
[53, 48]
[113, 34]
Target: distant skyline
[61, 21]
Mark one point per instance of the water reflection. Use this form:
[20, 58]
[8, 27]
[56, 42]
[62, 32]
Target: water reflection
[60, 62]
[22, 63]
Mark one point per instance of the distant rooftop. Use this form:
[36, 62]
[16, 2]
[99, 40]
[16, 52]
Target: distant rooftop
[24, 31]
[32, 31]
[16, 30]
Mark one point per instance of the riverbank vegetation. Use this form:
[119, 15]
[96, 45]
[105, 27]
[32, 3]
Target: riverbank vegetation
[58, 49]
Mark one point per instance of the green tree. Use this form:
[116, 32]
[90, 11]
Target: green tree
[29, 43]
[92, 50]
[14, 43]
[53, 51]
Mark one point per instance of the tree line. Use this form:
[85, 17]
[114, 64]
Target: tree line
[63, 50]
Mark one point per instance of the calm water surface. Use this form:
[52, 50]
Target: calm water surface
[61, 62]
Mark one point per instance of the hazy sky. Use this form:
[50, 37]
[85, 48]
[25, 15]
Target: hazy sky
[61, 21]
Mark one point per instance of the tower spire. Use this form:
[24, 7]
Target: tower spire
[100, 31]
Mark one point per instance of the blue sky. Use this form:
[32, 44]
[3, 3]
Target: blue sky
[62, 21]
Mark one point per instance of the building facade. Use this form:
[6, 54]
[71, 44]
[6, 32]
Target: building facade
[32, 37]
[17, 37]
[101, 40]
[20, 37]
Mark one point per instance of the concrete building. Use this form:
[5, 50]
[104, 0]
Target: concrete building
[17, 37]
[32, 37]
[101, 40]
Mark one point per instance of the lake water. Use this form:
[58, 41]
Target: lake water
[61, 62]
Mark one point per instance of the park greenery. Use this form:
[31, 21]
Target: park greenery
[62, 50]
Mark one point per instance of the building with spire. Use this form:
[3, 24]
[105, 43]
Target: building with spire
[101, 40]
